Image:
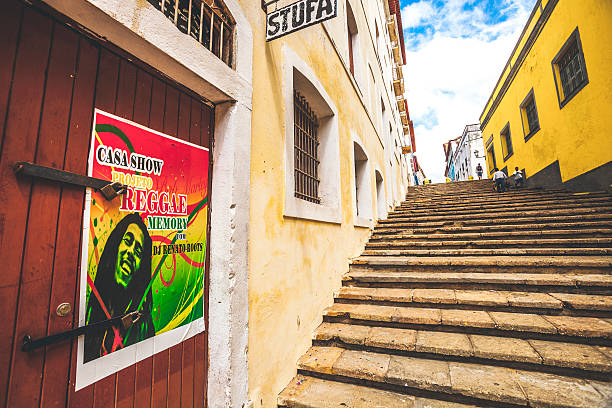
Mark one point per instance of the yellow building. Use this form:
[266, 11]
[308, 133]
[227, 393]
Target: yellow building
[550, 113]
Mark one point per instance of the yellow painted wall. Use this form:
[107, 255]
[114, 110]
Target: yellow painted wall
[296, 264]
[578, 135]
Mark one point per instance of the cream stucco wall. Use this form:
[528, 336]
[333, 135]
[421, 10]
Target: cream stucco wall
[295, 263]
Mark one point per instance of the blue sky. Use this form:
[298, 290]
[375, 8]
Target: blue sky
[455, 51]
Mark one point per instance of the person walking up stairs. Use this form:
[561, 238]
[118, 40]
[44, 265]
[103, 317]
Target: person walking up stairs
[467, 297]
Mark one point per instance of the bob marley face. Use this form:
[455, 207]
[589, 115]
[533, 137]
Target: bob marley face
[129, 255]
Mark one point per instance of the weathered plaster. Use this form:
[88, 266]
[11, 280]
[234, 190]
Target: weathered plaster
[141, 30]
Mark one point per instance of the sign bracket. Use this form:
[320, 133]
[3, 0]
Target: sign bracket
[265, 4]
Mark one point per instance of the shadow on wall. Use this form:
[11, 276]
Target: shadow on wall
[598, 179]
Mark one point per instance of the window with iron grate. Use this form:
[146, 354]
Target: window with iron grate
[206, 21]
[306, 146]
[569, 69]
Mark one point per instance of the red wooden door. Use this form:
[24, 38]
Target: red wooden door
[51, 79]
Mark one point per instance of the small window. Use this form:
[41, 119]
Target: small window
[207, 22]
[306, 146]
[491, 159]
[529, 116]
[353, 39]
[569, 69]
[363, 191]
[506, 142]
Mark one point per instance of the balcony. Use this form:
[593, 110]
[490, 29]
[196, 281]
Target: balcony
[401, 106]
[393, 30]
[398, 87]
[397, 53]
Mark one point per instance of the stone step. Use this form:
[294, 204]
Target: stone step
[475, 382]
[513, 229]
[533, 354]
[460, 235]
[419, 243]
[454, 204]
[487, 194]
[518, 206]
[547, 327]
[605, 219]
[531, 264]
[489, 197]
[556, 302]
[311, 392]
[521, 209]
[565, 283]
[490, 252]
[500, 214]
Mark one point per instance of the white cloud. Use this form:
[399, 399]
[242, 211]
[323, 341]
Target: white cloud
[415, 13]
[450, 73]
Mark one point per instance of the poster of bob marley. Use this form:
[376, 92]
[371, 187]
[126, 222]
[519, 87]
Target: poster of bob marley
[143, 251]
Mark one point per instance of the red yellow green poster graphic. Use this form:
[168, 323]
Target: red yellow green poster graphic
[144, 250]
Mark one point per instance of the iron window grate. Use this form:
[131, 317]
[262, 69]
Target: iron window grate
[306, 146]
[571, 70]
[206, 21]
[532, 116]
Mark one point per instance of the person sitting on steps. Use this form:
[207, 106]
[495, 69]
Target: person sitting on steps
[519, 181]
[499, 178]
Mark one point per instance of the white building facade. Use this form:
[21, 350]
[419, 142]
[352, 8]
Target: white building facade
[467, 153]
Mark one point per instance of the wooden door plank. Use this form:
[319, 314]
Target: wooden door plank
[176, 352]
[104, 392]
[128, 379]
[144, 369]
[200, 375]
[187, 388]
[201, 340]
[84, 397]
[158, 105]
[66, 264]
[21, 134]
[142, 101]
[126, 92]
[187, 373]
[142, 393]
[10, 21]
[159, 391]
[174, 376]
[106, 96]
[39, 249]
[108, 77]
[161, 361]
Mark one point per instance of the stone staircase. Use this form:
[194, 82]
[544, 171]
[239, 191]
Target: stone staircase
[465, 297]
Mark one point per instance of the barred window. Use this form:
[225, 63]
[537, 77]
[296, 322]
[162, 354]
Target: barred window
[306, 146]
[207, 21]
[529, 115]
[532, 116]
[570, 69]
[506, 142]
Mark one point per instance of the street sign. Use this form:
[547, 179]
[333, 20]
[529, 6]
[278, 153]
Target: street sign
[298, 15]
